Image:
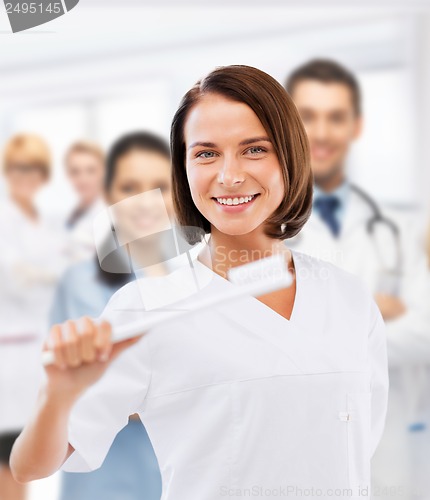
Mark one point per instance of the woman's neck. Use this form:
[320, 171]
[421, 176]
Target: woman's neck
[27, 208]
[225, 251]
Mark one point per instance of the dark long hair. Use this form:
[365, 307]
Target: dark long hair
[142, 141]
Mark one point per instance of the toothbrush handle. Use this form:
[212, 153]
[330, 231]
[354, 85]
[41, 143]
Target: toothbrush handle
[47, 358]
[138, 327]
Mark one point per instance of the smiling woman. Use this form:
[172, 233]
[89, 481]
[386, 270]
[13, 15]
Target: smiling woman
[266, 143]
[283, 394]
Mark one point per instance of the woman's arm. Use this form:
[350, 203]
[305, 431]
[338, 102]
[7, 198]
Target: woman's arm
[42, 447]
[80, 360]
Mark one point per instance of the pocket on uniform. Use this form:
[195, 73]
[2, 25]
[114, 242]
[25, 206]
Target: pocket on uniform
[358, 419]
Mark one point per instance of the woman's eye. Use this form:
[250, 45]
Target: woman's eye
[127, 189]
[256, 150]
[206, 155]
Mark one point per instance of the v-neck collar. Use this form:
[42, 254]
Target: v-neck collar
[258, 303]
[301, 339]
[257, 319]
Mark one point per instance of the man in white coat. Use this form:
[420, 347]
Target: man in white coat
[349, 229]
[85, 168]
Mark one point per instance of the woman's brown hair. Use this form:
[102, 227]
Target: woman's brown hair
[279, 117]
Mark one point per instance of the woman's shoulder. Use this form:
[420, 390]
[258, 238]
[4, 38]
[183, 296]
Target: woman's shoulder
[126, 296]
[344, 294]
[148, 292]
[331, 278]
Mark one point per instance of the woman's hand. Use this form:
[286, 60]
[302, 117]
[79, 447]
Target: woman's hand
[83, 350]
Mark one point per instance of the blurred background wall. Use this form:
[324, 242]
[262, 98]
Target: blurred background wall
[111, 66]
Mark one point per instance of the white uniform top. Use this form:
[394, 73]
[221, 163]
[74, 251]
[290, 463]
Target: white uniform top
[31, 260]
[240, 398]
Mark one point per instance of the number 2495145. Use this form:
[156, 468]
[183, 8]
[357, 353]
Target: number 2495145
[33, 8]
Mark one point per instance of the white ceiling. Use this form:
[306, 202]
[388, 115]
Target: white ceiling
[103, 28]
[280, 3]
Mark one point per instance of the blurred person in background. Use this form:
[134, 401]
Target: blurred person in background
[348, 228]
[137, 163]
[85, 168]
[428, 246]
[31, 260]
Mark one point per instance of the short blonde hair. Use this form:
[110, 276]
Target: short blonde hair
[84, 146]
[28, 148]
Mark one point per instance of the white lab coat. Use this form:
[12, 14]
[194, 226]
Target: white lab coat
[238, 398]
[81, 242]
[408, 337]
[31, 261]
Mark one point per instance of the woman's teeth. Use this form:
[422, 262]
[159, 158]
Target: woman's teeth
[235, 201]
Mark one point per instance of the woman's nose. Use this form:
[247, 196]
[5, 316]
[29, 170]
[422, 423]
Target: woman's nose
[230, 172]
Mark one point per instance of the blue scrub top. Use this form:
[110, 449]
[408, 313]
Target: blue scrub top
[80, 292]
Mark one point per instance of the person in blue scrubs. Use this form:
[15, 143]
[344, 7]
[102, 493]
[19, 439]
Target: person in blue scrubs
[137, 163]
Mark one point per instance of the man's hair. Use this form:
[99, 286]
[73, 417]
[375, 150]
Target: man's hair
[326, 71]
[83, 146]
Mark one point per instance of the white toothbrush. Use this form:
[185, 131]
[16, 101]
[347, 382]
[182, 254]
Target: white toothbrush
[255, 278]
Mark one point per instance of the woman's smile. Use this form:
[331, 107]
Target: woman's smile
[235, 203]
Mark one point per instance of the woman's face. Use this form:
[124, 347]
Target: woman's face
[233, 171]
[137, 173]
[24, 178]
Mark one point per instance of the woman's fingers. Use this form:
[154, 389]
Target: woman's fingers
[78, 342]
[57, 346]
[103, 341]
[87, 331]
[72, 343]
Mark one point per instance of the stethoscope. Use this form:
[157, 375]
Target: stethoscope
[416, 374]
[377, 218]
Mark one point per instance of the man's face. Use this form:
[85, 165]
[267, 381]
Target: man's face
[331, 123]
